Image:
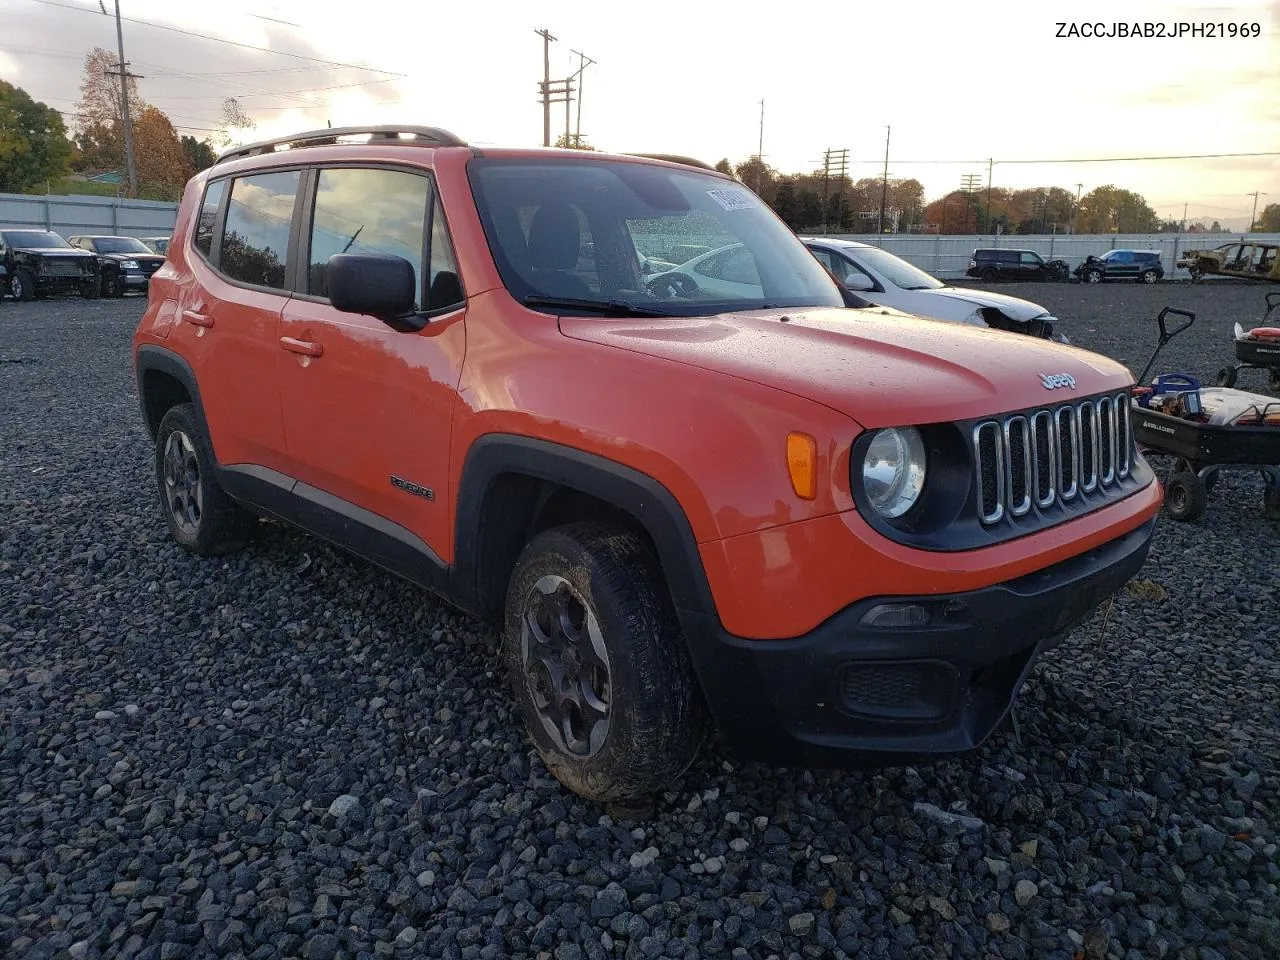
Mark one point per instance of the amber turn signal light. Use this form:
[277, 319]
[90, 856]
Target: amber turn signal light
[802, 464]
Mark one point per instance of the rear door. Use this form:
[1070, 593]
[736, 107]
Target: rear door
[367, 408]
[229, 307]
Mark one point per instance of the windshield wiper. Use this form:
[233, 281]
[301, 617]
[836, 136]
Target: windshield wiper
[609, 308]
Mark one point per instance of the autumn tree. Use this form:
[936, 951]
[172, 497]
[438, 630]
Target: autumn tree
[33, 141]
[760, 177]
[956, 213]
[99, 124]
[235, 123]
[1110, 209]
[1269, 220]
[162, 163]
[724, 166]
[571, 141]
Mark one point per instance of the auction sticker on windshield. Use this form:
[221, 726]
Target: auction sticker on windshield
[731, 199]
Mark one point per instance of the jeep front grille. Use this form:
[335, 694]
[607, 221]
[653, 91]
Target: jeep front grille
[1051, 456]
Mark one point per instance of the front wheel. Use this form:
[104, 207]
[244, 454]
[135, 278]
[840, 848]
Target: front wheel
[1227, 377]
[23, 285]
[598, 664]
[200, 515]
[111, 286]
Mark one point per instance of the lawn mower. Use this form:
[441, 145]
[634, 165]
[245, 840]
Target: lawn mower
[1257, 349]
[1206, 430]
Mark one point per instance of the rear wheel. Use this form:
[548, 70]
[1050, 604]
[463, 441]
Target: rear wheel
[1093, 276]
[200, 515]
[1148, 276]
[1186, 496]
[598, 665]
[989, 274]
[23, 285]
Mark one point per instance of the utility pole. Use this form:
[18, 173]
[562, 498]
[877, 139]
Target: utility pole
[884, 185]
[545, 85]
[990, 164]
[583, 62]
[1253, 217]
[840, 157]
[969, 183]
[760, 154]
[560, 91]
[126, 119]
[1075, 212]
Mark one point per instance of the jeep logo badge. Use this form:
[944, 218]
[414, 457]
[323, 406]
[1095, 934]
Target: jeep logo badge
[1052, 381]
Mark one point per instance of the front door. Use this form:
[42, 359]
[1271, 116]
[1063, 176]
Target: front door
[367, 408]
[1032, 266]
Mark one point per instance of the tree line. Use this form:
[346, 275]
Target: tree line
[38, 147]
[819, 201]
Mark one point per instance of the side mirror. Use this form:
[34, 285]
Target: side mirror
[859, 282]
[380, 285]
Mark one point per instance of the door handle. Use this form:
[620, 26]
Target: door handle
[308, 348]
[198, 319]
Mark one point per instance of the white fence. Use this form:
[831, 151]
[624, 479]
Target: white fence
[71, 215]
[947, 257]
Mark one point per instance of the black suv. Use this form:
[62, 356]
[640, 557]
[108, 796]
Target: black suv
[39, 263]
[1141, 265]
[990, 263]
[133, 261]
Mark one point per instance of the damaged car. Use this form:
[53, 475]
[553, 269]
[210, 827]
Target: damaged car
[40, 263]
[879, 277]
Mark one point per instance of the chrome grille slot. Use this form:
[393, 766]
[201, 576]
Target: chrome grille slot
[1044, 458]
[1056, 455]
[989, 449]
[1087, 417]
[1107, 440]
[1068, 435]
[1017, 442]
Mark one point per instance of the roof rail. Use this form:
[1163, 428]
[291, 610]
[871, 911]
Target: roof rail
[673, 158]
[416, 136]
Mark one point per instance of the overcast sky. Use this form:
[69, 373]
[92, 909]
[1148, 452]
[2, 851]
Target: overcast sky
[954, 81]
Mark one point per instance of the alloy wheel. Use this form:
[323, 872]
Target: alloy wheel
[566, 666]
[183, 489]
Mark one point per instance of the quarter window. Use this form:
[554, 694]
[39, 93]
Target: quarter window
[209, 215]
[445, 286]
[370, 212]
[255, 242]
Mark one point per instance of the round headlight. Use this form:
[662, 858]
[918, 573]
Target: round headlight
[893, 470]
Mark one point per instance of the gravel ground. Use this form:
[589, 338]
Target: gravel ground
[288, 754]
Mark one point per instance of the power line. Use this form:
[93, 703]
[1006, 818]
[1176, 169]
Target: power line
[234, 43]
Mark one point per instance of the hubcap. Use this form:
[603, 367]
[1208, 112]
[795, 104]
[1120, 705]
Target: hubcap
[182, 486]
[566, 666]
[17, 288]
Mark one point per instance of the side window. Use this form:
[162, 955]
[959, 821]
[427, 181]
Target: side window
[826, 260]
[1031, 259]
[366, 211]
[735, 265]
[255, 242]
[209, 215]
[444, 287]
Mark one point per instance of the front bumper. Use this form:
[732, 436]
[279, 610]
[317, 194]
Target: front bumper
[134, 280]
[847, 693]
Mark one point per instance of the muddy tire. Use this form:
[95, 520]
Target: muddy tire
[598, 664]
[200, 515]
[1227, 377]
[1186, 496]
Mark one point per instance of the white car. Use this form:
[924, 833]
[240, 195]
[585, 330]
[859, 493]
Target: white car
[728, 272]
[881, 278]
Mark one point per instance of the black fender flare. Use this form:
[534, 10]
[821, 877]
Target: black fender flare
[150, 357]
[645, 499]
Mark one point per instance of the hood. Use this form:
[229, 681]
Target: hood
[54, 251]
[881, 368]
[1011, 307]
[140, 257]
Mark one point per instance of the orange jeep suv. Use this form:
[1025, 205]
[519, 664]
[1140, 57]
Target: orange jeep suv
[717, 496]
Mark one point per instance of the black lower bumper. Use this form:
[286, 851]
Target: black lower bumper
[853, 691]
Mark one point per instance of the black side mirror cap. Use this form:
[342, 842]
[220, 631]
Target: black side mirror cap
[379, 285]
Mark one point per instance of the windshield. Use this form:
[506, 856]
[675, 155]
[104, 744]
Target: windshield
[37, 239]
[894, 269]
[120, 245]
[638, 235]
